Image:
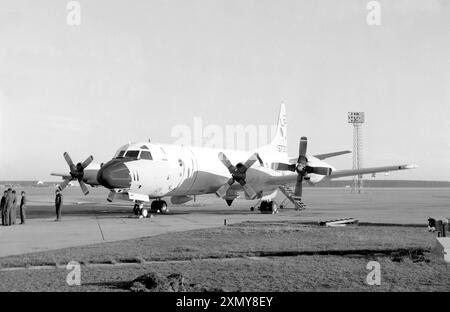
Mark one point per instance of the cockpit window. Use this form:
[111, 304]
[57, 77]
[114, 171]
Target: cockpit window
[132, 154]
[120, 154]
[146, 155]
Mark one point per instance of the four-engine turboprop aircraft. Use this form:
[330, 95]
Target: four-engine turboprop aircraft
[144, 172]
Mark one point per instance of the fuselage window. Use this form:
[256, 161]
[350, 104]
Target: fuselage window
[146, 155]
[132, 154]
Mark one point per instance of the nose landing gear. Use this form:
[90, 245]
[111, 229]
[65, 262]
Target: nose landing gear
[140, 210]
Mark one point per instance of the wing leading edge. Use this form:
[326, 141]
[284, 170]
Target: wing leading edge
[352, 172]
[342, 173]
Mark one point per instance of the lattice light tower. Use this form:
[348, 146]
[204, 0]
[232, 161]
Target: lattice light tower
[357, 119]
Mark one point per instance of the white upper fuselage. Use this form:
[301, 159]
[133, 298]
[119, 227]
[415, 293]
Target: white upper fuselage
[181, 170]
[143, 171]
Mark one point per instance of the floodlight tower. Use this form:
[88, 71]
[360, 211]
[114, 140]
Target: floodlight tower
[357, 119]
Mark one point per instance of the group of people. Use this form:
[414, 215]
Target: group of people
[9, 203]
[8, 207]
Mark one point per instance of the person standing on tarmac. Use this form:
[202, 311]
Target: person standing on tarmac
[58, 204]
[8, 206]
[3, 207]
[23, 202]
[13, 211]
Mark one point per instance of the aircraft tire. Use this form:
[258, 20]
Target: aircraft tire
[154, 206]
[264, 206]
[144, 212]
[163, 207]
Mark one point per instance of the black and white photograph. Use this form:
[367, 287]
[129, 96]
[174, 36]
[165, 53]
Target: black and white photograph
[240, 149]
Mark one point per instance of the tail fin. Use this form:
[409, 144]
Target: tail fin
[279, 142]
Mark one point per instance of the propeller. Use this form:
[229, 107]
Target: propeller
[238, 174]
[76, 173]
[302, 167]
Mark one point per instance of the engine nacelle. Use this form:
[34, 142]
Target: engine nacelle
[177, 200]
[314, 178]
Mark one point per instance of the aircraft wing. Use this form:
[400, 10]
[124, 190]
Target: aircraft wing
[276, 180]
[351, 172]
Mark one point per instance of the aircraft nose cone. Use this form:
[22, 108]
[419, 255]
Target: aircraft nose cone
[114, 175]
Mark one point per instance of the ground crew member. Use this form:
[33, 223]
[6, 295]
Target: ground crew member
[8, 206]
[58, 204]
[13, 211]
[23, 214]
[431, 224]
[3, 207]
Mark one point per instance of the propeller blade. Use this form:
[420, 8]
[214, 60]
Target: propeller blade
[283, 167]
[319, 170]
[251, 160]
[222, 191]
[64, 184]
[69, 161]
[237, 174]
[303, 146]
[226, 162]
[249, 191]
[86, 163]
[298, 186]
[84, 188]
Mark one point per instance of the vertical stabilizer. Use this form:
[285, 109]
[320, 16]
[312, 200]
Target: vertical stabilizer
[279, 142]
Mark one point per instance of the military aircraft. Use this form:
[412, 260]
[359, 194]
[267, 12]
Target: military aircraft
[145, 172]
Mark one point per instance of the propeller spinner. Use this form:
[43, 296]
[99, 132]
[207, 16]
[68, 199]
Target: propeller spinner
[238, 174]
[76, 173]
[302, 167]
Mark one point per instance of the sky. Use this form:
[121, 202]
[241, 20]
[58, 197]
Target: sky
[134, 70]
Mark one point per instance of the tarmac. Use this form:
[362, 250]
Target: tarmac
[97, 221]
[42, 234]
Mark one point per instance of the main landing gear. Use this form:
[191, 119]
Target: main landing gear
[155, 207]
[159, 206]
[267, 207]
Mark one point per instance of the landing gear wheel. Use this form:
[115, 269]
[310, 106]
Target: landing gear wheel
[159, 206]
[144, 212]
[154, 206]
[264, 207]
[252, 208]
[268, 207]
[163, 207]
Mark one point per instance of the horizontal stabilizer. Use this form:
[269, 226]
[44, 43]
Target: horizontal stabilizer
[329, 155]
[323, 156]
